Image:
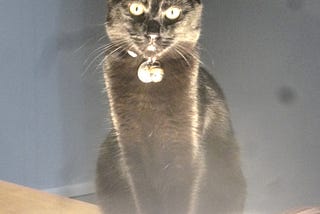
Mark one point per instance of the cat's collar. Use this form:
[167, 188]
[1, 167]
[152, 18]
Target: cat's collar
[132, 54]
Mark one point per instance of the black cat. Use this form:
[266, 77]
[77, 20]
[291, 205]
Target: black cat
[172, 149]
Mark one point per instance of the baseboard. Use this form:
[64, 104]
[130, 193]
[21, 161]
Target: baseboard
[73, 190]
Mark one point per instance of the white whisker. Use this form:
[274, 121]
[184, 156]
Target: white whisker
[181, 54]
[102, 48]
[100, 51]
[188, 52]
[88, 41]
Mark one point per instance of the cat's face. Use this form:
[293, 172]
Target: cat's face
[151, 28]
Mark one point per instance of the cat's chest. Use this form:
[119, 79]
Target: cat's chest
[160, 112]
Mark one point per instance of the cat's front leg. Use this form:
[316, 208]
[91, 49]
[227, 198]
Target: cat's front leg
[160, 188]
[113, 190]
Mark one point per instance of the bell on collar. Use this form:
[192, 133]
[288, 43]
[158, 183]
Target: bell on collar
[150, 72]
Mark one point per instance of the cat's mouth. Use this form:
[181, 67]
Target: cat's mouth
[151, 51]
[150, 47]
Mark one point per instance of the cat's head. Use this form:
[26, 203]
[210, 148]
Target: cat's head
[151, 28]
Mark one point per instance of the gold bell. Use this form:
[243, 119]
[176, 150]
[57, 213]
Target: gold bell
[148, 73]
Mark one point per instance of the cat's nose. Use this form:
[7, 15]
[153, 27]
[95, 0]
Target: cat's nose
[152, 37]
[153, 29]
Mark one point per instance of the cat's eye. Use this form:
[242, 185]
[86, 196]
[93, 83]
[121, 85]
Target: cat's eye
[136, 8]
[173, 13]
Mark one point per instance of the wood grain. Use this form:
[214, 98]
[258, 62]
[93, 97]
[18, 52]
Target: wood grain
[15, 199]
[313, 210]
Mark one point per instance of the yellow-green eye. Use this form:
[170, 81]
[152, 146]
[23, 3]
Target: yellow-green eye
[173, 13]
[136, 8]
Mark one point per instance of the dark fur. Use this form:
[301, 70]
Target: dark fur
[147, 165]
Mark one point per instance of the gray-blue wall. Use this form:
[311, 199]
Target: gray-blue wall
[52, 117]
[266, 57]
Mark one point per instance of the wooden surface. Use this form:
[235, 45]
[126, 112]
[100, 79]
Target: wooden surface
[16, 199]
[314, 210]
